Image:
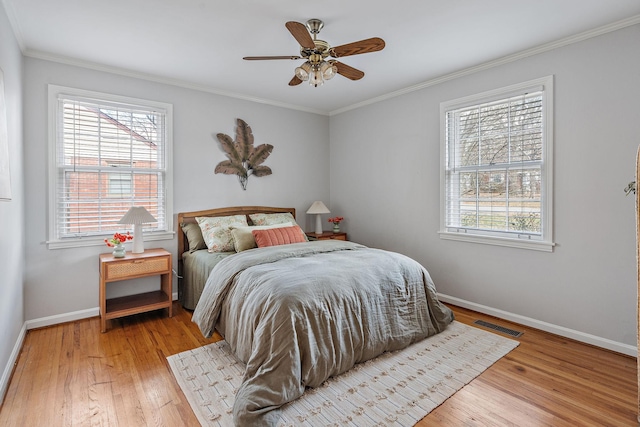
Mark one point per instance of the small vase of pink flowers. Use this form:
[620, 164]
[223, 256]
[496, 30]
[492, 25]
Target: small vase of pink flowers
[336, 223]
[117, 243]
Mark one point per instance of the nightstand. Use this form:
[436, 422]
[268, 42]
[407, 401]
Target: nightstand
[152, 262]
[327, 235]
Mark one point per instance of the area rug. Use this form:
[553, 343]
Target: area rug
[397, 388]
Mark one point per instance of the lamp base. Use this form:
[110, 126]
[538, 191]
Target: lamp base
[138, 239]
[318, 224]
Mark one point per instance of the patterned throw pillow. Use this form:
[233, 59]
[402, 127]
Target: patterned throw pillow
[278, 236]
[271, 218]
[216, 231]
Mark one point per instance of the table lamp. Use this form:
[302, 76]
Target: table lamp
[318, 208]
[137, 215]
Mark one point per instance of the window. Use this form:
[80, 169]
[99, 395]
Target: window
[107, 153]
[497, 167]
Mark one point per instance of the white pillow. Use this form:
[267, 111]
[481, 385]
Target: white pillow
[243, 238]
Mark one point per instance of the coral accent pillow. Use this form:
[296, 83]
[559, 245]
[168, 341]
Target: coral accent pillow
[279, 236]
[243, 238]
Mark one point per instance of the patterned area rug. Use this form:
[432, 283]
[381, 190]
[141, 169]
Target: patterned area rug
[397, 388]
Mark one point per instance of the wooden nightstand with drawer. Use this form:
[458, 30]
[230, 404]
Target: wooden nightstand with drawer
[327, 235]
[152, 262]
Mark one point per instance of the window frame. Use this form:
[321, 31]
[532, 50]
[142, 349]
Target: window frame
[54, 92]
[545, 242]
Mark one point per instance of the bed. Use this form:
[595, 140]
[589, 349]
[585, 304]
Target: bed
[301, 312]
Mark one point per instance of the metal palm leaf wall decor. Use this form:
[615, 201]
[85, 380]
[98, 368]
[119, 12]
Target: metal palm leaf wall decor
[244, 159]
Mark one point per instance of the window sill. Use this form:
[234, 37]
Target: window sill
[80, 242]
[535, 245]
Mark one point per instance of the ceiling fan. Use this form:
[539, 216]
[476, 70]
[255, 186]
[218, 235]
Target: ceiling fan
[317, 68]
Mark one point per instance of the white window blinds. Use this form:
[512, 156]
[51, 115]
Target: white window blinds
[494, 172]
[109, 156]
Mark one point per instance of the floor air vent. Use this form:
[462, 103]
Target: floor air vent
[498, 328]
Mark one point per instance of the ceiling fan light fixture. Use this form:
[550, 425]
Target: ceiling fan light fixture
[328, 70]
[315, 78]
[303, 71]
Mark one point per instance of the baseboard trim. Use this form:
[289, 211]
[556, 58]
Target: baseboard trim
[69, 317]
[13, 359]
[62, 318]
[605, 343]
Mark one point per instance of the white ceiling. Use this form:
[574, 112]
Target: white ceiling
[200, 43]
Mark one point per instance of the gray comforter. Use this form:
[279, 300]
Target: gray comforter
[299, 314]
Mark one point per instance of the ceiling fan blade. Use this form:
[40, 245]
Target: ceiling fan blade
[301, 34]
[295, 81]
[349, 72]
[260, 58]
[373, 44]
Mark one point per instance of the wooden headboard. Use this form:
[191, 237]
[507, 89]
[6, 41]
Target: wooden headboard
[186, 217]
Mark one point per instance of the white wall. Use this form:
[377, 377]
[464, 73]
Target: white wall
[385, 181]
[64, 281]
[12, 223]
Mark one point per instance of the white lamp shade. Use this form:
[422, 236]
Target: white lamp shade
[137, 215]
[318, 208]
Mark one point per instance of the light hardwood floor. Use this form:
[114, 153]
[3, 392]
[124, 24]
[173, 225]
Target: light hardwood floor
[73, 375]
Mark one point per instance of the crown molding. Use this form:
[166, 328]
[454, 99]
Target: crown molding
[164, 80]
[15, 26]
[618, 25]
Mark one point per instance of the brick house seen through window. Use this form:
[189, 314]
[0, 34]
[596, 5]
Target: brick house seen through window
[109, 157]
